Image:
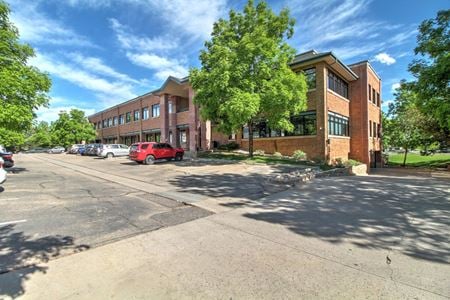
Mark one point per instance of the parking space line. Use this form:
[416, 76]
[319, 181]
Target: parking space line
[12, 222]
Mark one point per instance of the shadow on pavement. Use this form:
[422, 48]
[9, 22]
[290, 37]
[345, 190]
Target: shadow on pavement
[16, 170]
[21, 256]
[406, 215]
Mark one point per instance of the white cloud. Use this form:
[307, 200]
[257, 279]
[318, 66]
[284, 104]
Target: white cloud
[115, 91]
[36, 27]
[162, 66]
[395, 86]
[387, 103]
[385, 58]
[96, 65]
[129, 41]
[51, 113]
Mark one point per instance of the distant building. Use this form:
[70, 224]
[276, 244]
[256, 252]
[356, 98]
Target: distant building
[343, 117]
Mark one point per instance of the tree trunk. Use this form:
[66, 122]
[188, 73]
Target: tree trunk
[404, 158]
[250, 139]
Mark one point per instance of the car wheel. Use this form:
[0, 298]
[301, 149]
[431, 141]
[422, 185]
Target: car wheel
[109, 155]
[178, 157]
[149, 160]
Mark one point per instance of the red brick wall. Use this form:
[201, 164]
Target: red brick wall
[287, 145]
[339, 148]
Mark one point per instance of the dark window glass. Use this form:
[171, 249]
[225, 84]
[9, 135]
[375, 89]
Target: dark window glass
[136, 115]
[338, 85]
[144, 146]
[145, 113]
[155, 110]
[370, 128]
[374, 96]
[378, 99]
[310, 75]
[182, 104]
[128, 117]
[338, 125]
[370, 92]
[120, 119]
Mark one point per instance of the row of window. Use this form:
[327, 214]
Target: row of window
[127, 118]
[374, 96]
[338, 124]
[304, 124]
[337, 84]
[374, 129]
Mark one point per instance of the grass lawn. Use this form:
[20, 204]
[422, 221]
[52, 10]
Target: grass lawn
[416, 160]
[255, 158]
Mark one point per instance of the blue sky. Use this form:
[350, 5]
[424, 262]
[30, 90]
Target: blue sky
[103, 52]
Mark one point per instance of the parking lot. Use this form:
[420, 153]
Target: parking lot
[379, 236]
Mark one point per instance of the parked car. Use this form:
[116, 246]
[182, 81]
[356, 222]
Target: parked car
[81, 149]
[148, 152]
[2, 172]
[7, 157]
[92, 149]
[112, 150]
[57, 149]
[74, 148]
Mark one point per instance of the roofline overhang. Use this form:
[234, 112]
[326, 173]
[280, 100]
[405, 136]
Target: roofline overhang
[370, 66]
[350, 75]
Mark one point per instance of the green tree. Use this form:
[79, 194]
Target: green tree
[71, 128]
[23, 88]
[407, 126]
[432, 70]
[245, 75]
[40, 135]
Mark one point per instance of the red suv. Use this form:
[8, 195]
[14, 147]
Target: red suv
[147, 153]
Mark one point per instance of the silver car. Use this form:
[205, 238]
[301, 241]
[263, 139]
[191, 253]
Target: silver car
[2, 172]
[112, 150]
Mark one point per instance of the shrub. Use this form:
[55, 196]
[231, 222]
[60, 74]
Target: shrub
[258, 152]
[339, 162]
[229, 146]
[299, 155]
[277, 154]
[352, 163]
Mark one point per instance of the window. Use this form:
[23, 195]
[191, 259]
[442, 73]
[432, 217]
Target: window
[370, 128]
[120, 119]
[183, 136]
[338, 124]
[170, 107]
[110, 122]
[338, 85]
[310, 75]
[145, 113]
[128, 117]
[378, 130]
[182, 104]
[136, 115]
[99, 125]
[155, 110]
[170, 137]
[104, 123]
[115, 121]
[370, 93]
[304, 124]
[144, 146]
[378, 99]
[374, 96]
[375, 129]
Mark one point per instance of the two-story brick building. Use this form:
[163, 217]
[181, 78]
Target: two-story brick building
[343, 117]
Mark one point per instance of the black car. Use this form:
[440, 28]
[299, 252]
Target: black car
[8, 158]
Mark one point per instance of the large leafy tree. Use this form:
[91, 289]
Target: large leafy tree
[407, 126]
[245, 75]
[71, 128]
[432, 70]
[40, 135]
[23, 88]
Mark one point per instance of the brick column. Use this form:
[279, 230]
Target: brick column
[164, 117]
[194, 124]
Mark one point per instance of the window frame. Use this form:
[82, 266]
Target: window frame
[154, 106]
[338, 125]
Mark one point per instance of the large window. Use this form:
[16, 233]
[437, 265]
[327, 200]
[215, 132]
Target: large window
[128, 117]
[115, 121]
[304, 124]
[120, 119]
[338, 124]
[136, 115]
[155, 110]
[337, 84]
[145, 113]
[104, 123]
[110, 122]
[310, 75]
[182, 104]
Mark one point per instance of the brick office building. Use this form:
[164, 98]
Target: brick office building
[343, 117]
